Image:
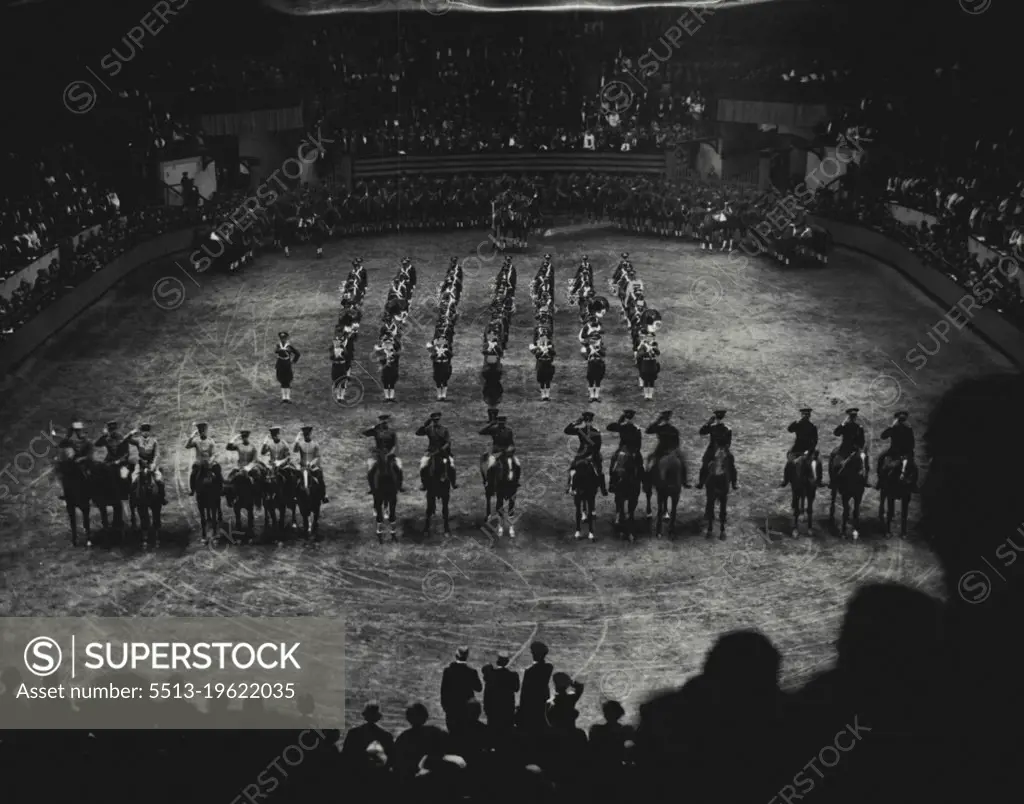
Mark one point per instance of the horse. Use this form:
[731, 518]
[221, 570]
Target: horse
[848, 482]
[309, 494]
[501, 484]
[439, 487]
[895, 483]
[110, 486]
[585, 483]
[627, 478]
[716, 488]
[804, 484]
[278, 497]
[384, 483]
[243, 494]
[75, 484]
[208, 487]
[145, 498]
[667, 477]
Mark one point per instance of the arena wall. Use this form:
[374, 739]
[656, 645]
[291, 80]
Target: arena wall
[63, 311]
[960, 307]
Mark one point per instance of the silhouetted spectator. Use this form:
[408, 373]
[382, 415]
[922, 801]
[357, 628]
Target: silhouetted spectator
[459, 684]
[418, 741]
[359, 738]
[536, 691]
[501, 684]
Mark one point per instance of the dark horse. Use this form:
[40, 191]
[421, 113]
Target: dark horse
[110, 487]
[243, 494]
[492, 387]
[585, 483]
[309, 493]
[439, 487]
[805, 486]
[208, 486]
[278, 497]
[501, 484]
[385, 483]
[717, 490]
[848, 481]
[627, 480]
[145, 499]
[74, 480]
[667, 477]
[895, 483]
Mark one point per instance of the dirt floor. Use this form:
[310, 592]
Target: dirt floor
[756, 339]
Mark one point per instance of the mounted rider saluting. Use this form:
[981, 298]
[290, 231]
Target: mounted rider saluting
[720, 438]
[806, 443]
[384, 447]
[901, 446]
[589, 448]
[205, 455]
[309, 457]
[630, 440]
[503, 443]
[248, 459]
[853, 440]
[116, 445]
[439, 442]
[149, 451]
[668, 441]
[77, 448]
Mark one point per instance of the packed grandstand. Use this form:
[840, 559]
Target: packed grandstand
[421, 86]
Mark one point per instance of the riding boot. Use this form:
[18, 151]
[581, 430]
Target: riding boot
[878, 473]
[401, 480]
[423, 479]
[785, 476]
[451, 476]
[732, 474]
[604, 489]
[369, 481]
[163, 492]
[192, 483]
[817, 473]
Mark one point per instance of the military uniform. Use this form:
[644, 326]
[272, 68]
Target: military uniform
[806, 441]
[901, 445]
[78, 449]
[206, 452]
[438, 442]
[247, 452]
[503, 442]
[668, 439]
[853, 440]
[720, 437]
[309, 457]
[630, 440]
[115, 444]
[385, 444]
[286, 355]
[589, 448]
[544, 353]
[148, 453]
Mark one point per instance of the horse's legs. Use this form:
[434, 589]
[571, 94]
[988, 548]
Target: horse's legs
[723, 504]
[797, 499]
[444, 516]
[856, 517]
[810, 514]
[511, 513]
[709, 513]
[904, 510]
[73, 517]
[391, 520]
[579, 504]
[832, 509]
[430, 512]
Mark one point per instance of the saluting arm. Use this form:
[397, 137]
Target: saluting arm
[838, 431]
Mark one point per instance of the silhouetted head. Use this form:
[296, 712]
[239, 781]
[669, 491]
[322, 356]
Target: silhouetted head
[417, 714]
[745, 660]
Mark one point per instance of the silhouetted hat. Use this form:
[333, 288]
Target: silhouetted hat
[371, 712]
[111, 425]
[588, 416]
[502, 418]
[436, 416]
[852, 411]
[720, 412]
[612, 710]
[503, 659]
[275, 429]
[538, 648]
[805, 410]
[282, 334]
[246, 432]
[145, 427]
[462, 653]
[384, 417]
[628, 413]
[902, 414]
[201, 425]
[307, 428]
[665, 414]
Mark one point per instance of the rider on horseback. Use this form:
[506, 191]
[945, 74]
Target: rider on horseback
[503, 443]
[116, 445]
[630, 440]
[854, 439]
[589, 448]
[279, 452]
[668, 440]
[439, 442]
[309, 457]
[205, 455]
[901, 447]
[247, 456]
[80, 448]
[806, 443]
[148, 448]
[720, 438]
[385, 444]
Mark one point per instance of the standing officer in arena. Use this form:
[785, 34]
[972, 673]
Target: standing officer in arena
[720, 436]
[385, 442]
[630, 441]
[853, 438]
[286, 355]
[806, 442]
[901, 445]
[309, 457]
[589, 448]
[206, 452]
[439, 441]
[149, 451]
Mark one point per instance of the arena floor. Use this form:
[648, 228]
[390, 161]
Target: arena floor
[751, 337]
